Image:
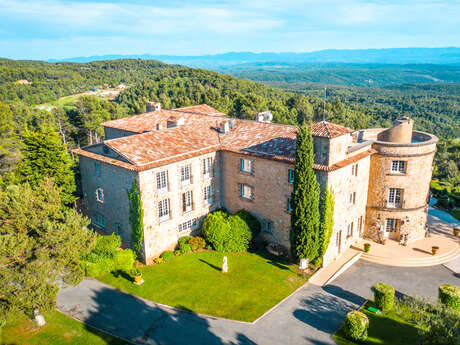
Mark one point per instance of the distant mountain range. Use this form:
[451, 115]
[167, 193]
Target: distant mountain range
[450, 55]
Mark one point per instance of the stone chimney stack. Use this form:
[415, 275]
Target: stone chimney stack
[265, 116]
[153, 106]
[401, 132]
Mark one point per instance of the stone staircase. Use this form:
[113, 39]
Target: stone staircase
[428, 260]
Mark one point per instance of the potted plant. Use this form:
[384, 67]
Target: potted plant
[456, 231]
[367, 247]
[434, 250]
[137, 275]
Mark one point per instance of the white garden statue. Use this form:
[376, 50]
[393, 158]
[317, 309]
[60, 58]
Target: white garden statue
[39, 319]
[225, 265]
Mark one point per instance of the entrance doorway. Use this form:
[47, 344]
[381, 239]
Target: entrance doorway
[392, 227]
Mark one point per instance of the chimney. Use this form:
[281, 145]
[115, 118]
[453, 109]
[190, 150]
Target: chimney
[224, 127]
[153, 106]
[265, 116]
[174, 121]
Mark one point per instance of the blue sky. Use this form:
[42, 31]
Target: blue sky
[58, 29]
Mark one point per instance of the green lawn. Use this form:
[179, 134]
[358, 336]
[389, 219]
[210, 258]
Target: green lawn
[254, 283]
[385, 329]
[59, 330]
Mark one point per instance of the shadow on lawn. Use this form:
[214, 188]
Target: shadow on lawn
[211, 265]
[274, 260]
[133, 319]
[123, 274]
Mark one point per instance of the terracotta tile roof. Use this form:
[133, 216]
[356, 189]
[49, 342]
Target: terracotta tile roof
[199, 134]
[329, 130]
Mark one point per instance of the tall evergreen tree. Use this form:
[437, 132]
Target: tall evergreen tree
[41, 242]
[326, 209]
[136, 218]
[305, 199]
[9, 142]
[45, 155]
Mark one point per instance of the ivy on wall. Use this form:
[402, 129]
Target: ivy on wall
[136, 216]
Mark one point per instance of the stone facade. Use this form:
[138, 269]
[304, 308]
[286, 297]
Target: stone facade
[249, 166]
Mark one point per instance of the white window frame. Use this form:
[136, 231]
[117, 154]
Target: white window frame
[100, 195]
[162, 181]
[246, 191]
[391, 225]
[291, 176]
[207, 167]
[398, 167]
[185, 174]
[187, 201]
[207, 194]
[246, 165]
[164, 212]
[188, 225]
[352, 198]
[395, 197]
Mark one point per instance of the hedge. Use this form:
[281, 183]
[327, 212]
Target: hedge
[449, 295]
[185, 249]
[167, 255]
[384, 296]
[356, 326]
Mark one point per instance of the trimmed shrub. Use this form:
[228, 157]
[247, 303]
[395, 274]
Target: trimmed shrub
[240, 235]
[197, 243]
[384, 296]
[185, 249]
[251, 221]
[158, 261]
[183, 240]
[94, 269]
[124, 260]
[106, 246]
[356, 326]
[449, 295]
[167, 255]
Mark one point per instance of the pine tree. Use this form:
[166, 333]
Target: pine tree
[305, 199]
[326, 208]
[136, 218]
[41, 243]
[44, 155]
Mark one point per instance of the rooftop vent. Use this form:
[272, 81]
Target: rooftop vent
[174, 121]
[225, 126]
[265, 116]
[153, 106]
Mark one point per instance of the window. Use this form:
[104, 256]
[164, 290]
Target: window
[268, 227]
[394, 197]
[246, 165]
[188, 225]
[163, 210]
[246, 191]
[185, 174]
[391, 225]
[350, 230]
[187, 201]
[97, 168]
[337, 239]
[207, 194]
[352, 198]
[360, 223]
[99, 220]
[207, 164]
[398, 167]
[100, 195]
[289, 205]
[162, 181]
[354, 170]
[291, 176]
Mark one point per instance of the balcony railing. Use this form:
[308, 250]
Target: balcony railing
[393, 204]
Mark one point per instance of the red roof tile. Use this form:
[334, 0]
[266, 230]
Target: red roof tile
[329, 130]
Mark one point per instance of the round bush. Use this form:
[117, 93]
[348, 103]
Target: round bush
[251, 221]
[167, 255]
[384, 296]
[197, 243]
[183, 240]
[449, 295]
[356, 326]
[124, 260]
[186, 249]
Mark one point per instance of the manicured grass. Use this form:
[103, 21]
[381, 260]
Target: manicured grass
[253, 284]
[59, 330]
[387, 328]
[455, 213]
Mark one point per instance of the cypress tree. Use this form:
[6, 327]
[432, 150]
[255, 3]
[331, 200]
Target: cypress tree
[136, 218]
[305, 199]
[326, 208]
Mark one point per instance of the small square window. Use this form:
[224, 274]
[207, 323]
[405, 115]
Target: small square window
[291, 176]
[398, 167]
[246, 191]
[246, 165]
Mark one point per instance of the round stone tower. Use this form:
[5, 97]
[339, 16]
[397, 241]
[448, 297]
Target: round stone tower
[399, 181]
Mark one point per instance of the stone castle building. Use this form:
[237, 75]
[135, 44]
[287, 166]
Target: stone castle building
[190, 161]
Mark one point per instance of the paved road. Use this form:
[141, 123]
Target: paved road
[309, 316]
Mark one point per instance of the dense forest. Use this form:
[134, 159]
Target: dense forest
[433, 106]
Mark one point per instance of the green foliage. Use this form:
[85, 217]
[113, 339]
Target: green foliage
[305, 217]
[41, 242]
[183, 240]
[326, 210]
[384, 296]
[449, 295]
[356, 326]
[158, 261]
[136, 218]
[197, 243]
[124, 260]
[185, 249]
[9, 142]
[167, 255]
[106, 246]
[44, 155]
[438, 324]
[226, 232]
[251, 221]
